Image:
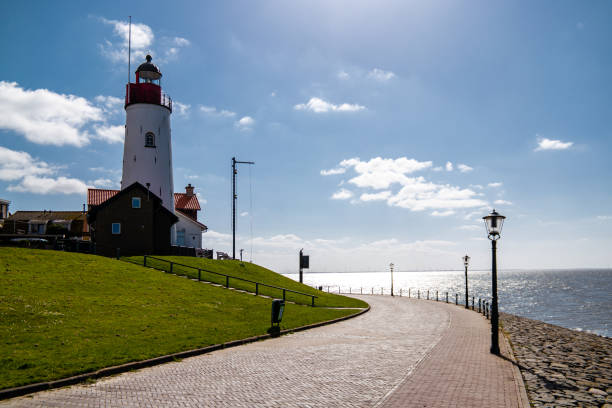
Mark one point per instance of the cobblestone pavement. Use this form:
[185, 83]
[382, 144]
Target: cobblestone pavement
[349, 364]
[461, 372]
[362, 362]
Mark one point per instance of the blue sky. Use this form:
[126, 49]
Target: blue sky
[381, 131]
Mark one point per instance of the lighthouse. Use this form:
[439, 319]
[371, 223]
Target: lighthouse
[146, 216]
[147, 150]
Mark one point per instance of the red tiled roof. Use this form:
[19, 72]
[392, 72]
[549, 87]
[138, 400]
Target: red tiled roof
[184, 202]
[96, 196]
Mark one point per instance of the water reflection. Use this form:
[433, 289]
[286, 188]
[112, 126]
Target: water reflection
[576, 299]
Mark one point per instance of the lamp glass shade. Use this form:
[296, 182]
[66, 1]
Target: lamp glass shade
[494, 222]
[466, 260]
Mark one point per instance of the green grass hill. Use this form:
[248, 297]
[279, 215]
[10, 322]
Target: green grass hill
[251, 272]
[63, 313]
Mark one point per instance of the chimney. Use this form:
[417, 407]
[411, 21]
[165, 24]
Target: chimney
[189, 190]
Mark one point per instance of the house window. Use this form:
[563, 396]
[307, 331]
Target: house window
[149, 139]
[135, 202]
[180, 237]
[116, 228]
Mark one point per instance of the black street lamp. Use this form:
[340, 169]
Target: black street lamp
[391, 267]
[466, 261]
[494, 222]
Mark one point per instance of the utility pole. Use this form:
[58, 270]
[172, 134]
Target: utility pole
[234, 197]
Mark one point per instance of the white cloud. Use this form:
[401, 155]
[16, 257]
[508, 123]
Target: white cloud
[332, 172]
[142, 39]
[470, 227]
[31, 172]
[181, 42]
[110, 104]
[212, 111]
[45, 117]
[464, 168]
[474, 215]
[245, 123]
[502, 202]
[380, 75]
[383, 195]
[442, 213]
[244, 213]
[449, 166]
[604, 217]
[142, 42]
[343, 75]
[379, 173]
[416, 193]
[15, 165]
[47, 185]
[495, 184]
[478, 186]
[438, 168]
[104, 183]
[181, 109]
[110, 134]
[342, 194]
[549, 144]
[318, 105]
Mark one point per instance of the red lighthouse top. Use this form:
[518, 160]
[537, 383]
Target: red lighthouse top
[147, 88]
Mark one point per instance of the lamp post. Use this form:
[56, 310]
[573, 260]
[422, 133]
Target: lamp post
[466, 261]
[494, 222]
[391, 267]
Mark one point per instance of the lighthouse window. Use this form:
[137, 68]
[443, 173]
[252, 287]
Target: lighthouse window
[149, 139]
[116, 228]
[135, 202]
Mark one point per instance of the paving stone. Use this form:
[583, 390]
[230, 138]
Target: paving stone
[404, 352]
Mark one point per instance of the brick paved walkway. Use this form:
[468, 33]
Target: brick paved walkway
[383, 356]
[461, 372]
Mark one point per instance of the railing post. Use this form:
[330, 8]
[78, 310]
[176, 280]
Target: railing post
[437, 299]
[199, 274]
[479, 305]
[456, 299]
[381, 291]
[400, 292]
[361, 291]
[171, 267]
[144, 262]
[419, 294]
[284, 296]
[427, 294]
[446, 297]
[257, 289]
[372, 290]
[350, 290]
[227, 282]
[472, 302]
[408, 293]
[312, 304]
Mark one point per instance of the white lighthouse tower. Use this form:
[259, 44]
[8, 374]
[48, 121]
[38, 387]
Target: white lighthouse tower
[147, 151]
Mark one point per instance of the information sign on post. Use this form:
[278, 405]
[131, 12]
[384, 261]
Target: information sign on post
[304, 264]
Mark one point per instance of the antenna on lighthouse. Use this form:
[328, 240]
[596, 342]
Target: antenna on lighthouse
[129, 48]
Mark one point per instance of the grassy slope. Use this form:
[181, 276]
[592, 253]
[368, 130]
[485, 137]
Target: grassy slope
[65, 313]
[254, 273]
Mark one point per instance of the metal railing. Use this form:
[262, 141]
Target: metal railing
[172, 270]
[482, 306]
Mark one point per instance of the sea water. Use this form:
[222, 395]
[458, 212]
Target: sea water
[578, 299]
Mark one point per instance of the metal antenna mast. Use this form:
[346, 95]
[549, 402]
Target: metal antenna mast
[234, 197]
[129, 50]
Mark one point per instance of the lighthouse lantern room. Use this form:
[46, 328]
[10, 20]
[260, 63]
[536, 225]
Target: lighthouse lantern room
[147, 152]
